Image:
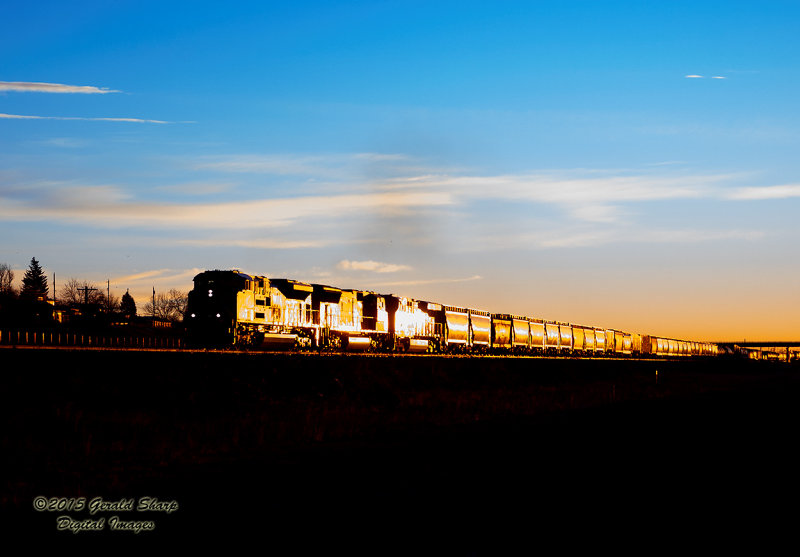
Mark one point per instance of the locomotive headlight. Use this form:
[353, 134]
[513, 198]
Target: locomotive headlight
[193, 315]
[210, 293]
[218, 315]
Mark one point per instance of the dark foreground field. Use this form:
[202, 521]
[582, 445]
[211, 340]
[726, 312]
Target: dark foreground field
[412, 455]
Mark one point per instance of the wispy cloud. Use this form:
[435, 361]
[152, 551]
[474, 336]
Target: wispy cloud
[272, 244]
[428, 281]
[166, 278]
[34, 87]
[328, 165]
[112, 207]
[566, 187]
[145, 275]
[767, 192]
[592, 199]
[695, 76]
[374, 266]
[597, 207]
[141, 284]
[134, 120]
[595, 212]
[67, 142]
[693, 236]
[582, 237]
[266, 164]
[198, 188]
[667, 163]
[382, 157]
[587, 198]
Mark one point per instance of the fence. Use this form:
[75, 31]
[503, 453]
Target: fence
[86, 339]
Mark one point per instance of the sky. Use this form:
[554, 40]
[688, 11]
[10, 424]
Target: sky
[622, 164]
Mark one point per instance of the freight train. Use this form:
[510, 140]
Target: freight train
[229, 308]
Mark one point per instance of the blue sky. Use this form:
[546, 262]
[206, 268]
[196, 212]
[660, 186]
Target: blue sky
[619, 164]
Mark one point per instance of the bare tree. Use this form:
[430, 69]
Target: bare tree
[170, 306]
[6, 280]
[76, 293]
[112, 302]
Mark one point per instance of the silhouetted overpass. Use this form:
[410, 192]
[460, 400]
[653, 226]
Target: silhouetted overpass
[766, 345]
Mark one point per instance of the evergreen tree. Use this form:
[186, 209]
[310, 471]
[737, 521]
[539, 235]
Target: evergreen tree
[127, 305]
[34, 283]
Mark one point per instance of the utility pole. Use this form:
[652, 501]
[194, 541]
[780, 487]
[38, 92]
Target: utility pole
[86, 294]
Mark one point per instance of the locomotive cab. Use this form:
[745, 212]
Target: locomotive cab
[211, 307]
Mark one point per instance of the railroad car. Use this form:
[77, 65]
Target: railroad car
[232, 308]
[521, 341]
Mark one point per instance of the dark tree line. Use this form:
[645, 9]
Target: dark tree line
[34, 282]
[78, 297]
[82, 294]
[29, 305]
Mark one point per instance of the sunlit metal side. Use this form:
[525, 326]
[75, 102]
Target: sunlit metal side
[419, 345]
[279, 341]
[408, 319]
[481, 328]
[589, 340]
[565, 337]
[357, 343]
[578, 339]
[521, 333]
[538, 336]
[552, 336]
[457, 329]
[600, 341]
[636, 344]
[502, 332]
[611, 342]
